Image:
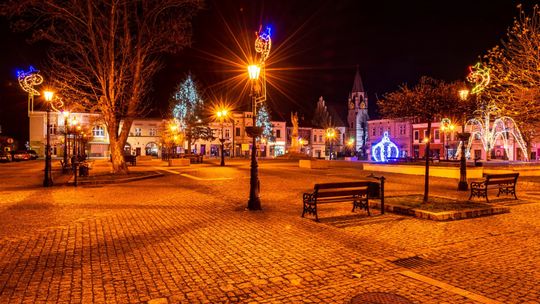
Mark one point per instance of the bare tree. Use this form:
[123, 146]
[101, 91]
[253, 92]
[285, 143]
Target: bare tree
[515, 73]
[105, 52]
[425, 102]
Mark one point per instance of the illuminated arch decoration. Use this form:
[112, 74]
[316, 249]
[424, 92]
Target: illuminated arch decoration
[28, 80]
[384, 150]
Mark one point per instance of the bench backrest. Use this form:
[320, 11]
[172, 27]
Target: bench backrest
[501, 178]
[341, 189]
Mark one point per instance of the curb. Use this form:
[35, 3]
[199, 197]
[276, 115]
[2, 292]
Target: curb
[115, 181]
[444, 215]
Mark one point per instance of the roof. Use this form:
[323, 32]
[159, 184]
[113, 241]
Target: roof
[357, 84]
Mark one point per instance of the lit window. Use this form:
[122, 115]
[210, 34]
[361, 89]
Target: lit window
[138, 132]
[98, 131]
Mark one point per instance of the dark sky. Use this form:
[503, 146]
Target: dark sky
[317, 45]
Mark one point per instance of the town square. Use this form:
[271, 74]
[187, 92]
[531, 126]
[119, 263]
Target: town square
[186, 151]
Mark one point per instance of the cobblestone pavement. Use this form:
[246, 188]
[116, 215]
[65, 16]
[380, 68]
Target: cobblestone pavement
[185, 238]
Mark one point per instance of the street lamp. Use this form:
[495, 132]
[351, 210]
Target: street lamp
[447, 127]
[254, 202]
[47, 180]
[222, 114]
[330, 135]
[464, 137]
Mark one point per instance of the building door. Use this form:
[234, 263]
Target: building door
[203, 149]
[138, 151]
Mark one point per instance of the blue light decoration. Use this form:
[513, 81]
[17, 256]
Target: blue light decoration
[384, 149]
[28, 80]
[263, 43]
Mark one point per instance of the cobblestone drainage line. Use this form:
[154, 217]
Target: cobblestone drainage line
[448, 287]
[379, 298]
[413, 262]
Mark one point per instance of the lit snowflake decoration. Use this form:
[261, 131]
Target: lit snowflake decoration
[384, 150]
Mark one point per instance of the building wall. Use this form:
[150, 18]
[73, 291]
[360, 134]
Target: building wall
[399, 132]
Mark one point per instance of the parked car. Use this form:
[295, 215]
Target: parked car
[33, 154]
[5, 156]
[21, 155]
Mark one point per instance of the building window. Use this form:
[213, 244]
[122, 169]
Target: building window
[138, 131]
[314, 138]
[278, 133]
[227, 133]
[52, 129]
[237, 133]
[373, 133]
[380, 130]
[416, 135]
[425, 134]
[436, 134]
[320, 138]
[153, 132]
[98, 131]
[402, 130]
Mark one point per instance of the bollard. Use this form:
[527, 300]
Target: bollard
[381, 179]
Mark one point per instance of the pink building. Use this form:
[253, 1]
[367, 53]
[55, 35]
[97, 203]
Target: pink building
[399, 132]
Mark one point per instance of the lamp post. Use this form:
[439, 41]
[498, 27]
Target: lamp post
[221, 115]
[463, 137]
[66, 131]
[47, 180]
[330, 134]
[254, 202]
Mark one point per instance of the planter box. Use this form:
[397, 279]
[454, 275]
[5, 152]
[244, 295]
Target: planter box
[312, 164]
[176, 162]
[449, 172]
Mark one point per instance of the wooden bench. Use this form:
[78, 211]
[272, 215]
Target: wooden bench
[506, 183]
[194, 158]
[355, 192]
[132, 159]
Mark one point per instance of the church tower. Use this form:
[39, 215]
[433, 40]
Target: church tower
[357, 117]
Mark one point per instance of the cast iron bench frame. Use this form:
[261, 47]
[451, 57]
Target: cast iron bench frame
[506, 183]
[355, 192]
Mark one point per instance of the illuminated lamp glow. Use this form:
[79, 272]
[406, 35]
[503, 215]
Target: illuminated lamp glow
[384, 149]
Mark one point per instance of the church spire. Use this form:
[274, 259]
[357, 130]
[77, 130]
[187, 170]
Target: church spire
[357, 84]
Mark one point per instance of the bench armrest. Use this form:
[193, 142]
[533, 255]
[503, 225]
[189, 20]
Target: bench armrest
[481, 184]
[308, 197]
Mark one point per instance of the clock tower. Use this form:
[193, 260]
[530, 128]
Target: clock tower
[357, 117]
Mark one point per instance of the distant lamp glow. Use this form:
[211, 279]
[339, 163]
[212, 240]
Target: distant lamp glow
[463, 94]
[384, 150]
[254, 71]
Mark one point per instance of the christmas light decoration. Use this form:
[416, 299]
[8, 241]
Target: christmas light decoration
[187, 103]
[263, 120]
[28, 80]
[263, 43]
[490, 132]
[479, 75]
[384, 150]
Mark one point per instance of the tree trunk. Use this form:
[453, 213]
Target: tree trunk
[119, 166]
[427, 155]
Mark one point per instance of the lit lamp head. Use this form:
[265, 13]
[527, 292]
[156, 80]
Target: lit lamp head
[351, 141]
[48, 95]
[254, 71]
[66, 114]
[463, 94]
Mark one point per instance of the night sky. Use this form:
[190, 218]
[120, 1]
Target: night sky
[316, 47]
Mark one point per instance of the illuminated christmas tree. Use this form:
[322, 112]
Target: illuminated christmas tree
[263, 121]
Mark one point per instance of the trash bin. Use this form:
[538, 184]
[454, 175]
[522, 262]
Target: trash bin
[83, 169]
[374, 190]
